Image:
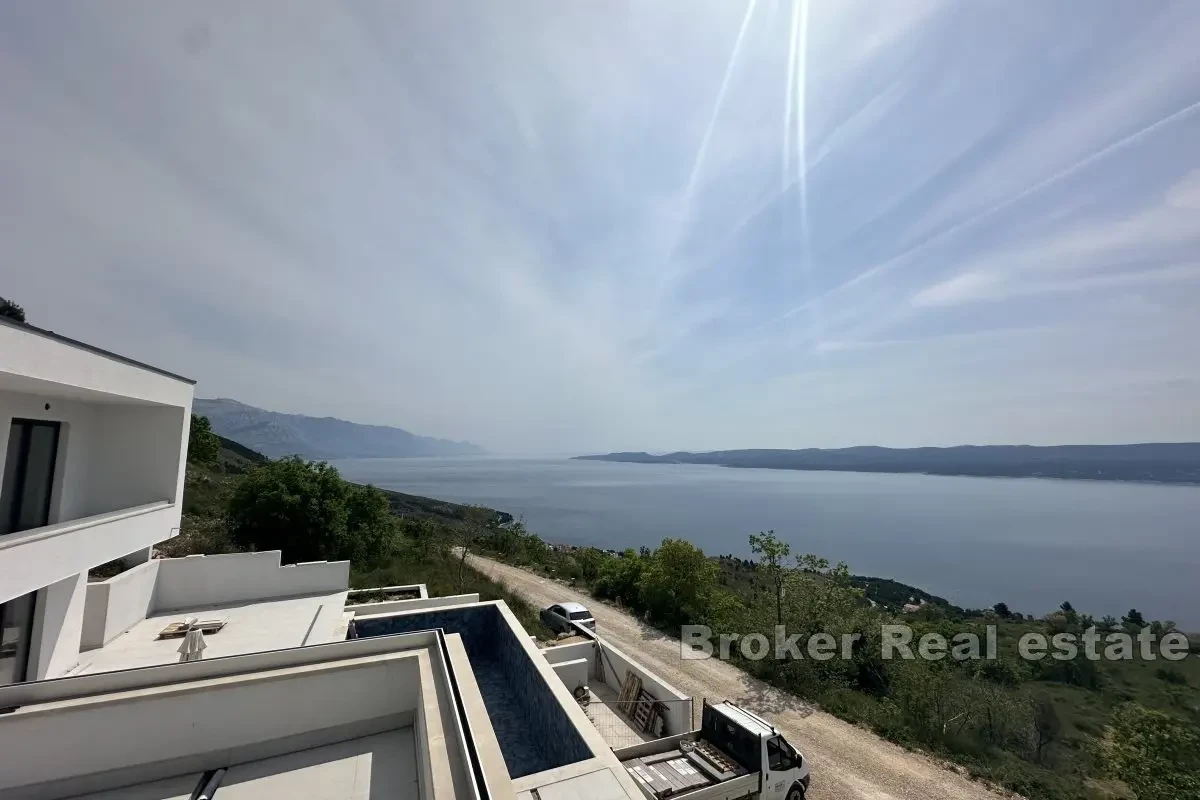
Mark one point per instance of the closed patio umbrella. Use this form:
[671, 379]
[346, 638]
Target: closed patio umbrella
[192, 647]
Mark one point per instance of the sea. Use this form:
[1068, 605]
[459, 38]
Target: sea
[1105, 547]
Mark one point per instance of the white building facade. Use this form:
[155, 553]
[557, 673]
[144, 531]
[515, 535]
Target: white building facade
[93, 448]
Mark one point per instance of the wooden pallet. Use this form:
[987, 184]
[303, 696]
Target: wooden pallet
[648, 713]
[630, 690]
[642, 711]
[177, 630]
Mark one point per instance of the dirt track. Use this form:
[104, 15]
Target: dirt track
[847, 763]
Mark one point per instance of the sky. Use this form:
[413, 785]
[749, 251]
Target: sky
[578, 227]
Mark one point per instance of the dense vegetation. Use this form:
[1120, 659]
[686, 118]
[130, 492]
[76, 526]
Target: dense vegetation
[1047, 729]
[1162, 463]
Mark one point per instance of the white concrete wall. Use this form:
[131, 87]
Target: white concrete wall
[136, 456]
[117, 604]
[679, 705]
[32, 559]
[219, 716]
[570, 652]
[574, 673]
[196, 581]
[30, 355]
[95, 616]
[487, 747]
[400, 606]
[58, 623]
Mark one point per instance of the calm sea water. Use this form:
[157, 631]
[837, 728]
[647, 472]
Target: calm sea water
[1031, 543]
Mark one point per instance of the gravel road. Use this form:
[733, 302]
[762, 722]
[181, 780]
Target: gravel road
[847, 763]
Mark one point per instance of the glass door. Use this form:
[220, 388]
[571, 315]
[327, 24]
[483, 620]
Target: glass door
[28, 475]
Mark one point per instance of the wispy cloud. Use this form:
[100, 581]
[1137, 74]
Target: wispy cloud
[1097, 254]
[654, 225]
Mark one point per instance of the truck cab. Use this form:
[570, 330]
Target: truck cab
[734, 754]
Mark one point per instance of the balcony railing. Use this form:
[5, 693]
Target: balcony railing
[41, 556]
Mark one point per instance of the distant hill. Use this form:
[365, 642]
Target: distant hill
[274, 434]
[1160, 463]
[238, 454]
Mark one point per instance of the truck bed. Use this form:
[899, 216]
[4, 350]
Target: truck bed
[688, 768]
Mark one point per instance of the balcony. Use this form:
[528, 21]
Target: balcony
[40, 556]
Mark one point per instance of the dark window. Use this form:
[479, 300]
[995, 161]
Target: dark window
[16, 633]
[780, 755]
[28, 475]
[580, 615]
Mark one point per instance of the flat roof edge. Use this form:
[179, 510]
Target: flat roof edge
[91, 348]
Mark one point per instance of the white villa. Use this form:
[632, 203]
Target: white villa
[93, 447]
[300, 692]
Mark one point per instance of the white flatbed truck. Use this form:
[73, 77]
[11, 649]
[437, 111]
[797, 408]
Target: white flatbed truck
[734, 754]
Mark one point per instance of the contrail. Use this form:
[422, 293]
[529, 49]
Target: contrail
[789, 98]
[702, 151]
[1102, 153]
[802, 156]
[801, 67]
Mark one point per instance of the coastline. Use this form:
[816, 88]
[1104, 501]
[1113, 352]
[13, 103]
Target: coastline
[1186, 482]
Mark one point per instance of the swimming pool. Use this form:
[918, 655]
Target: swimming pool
[534, 731]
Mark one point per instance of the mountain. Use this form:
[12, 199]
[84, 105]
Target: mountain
[274, 434]
[1160, 463]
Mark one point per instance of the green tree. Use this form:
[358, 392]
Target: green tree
[11, 310]
[620, 578]
[931, 697]
[1160, 629]
[1002, 611]
[504, 541]
[590, 561]
[306, 510]
[1047, 725]
[426, 539]
[820, 597]
[480, 523]
[370, 526]
[531, 549]
[772, 552]
[677, 581]
[1157, 755]
[1001, 714]
[1133, 621]
[203, 445]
